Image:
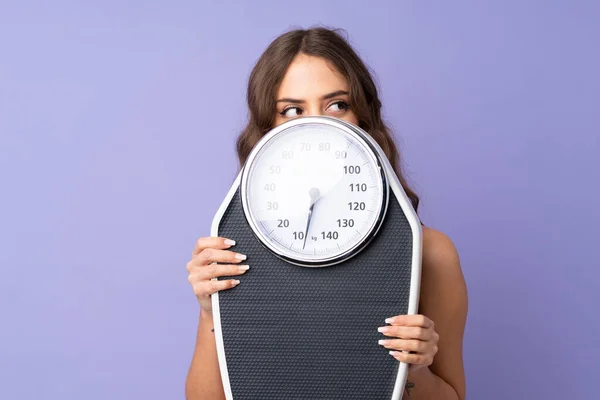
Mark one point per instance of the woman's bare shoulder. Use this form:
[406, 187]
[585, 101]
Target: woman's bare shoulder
[439, 250]
[441, 269]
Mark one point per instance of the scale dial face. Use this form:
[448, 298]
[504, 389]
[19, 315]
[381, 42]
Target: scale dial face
[314, 192]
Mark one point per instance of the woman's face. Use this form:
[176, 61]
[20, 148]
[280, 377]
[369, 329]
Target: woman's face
[311, 87]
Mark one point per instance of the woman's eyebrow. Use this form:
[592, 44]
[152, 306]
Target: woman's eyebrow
[334, 94]
[325, 97]
[289, 100]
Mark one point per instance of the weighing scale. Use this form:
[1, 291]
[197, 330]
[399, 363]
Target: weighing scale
[334, 248]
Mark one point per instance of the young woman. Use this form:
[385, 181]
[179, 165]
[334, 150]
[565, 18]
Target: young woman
[316, 72]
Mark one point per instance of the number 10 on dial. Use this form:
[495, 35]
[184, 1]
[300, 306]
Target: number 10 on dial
[314, 191]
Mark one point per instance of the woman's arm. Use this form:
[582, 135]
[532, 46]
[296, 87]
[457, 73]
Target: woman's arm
[204, 378]
[444, 300]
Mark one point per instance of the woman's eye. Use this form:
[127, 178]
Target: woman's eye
[339, 106]
[291, 112]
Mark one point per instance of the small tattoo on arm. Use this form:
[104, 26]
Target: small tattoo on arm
[409, 385]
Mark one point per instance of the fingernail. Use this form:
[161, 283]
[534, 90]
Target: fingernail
[240, 256]
[229, 242]
[382, 329]
[382, 342]
[243, 267]
[390, 320]
[393, 353]
[236, 282]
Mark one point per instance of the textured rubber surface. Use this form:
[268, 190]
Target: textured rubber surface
[293, 332]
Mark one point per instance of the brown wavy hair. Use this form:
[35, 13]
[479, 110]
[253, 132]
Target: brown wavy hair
[328, 44]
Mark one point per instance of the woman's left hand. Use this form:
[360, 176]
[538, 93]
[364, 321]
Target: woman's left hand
[412, 340]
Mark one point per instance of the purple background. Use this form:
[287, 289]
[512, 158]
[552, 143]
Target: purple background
[117, 129]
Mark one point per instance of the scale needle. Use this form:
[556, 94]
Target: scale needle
[314, 194]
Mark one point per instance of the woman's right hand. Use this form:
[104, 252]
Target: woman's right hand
[202, 270]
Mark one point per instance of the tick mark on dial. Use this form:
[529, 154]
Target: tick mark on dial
[276, 239]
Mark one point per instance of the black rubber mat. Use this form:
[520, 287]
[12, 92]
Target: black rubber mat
[293, 332]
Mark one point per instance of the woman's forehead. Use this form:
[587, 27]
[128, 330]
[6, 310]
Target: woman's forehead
[310, 77]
